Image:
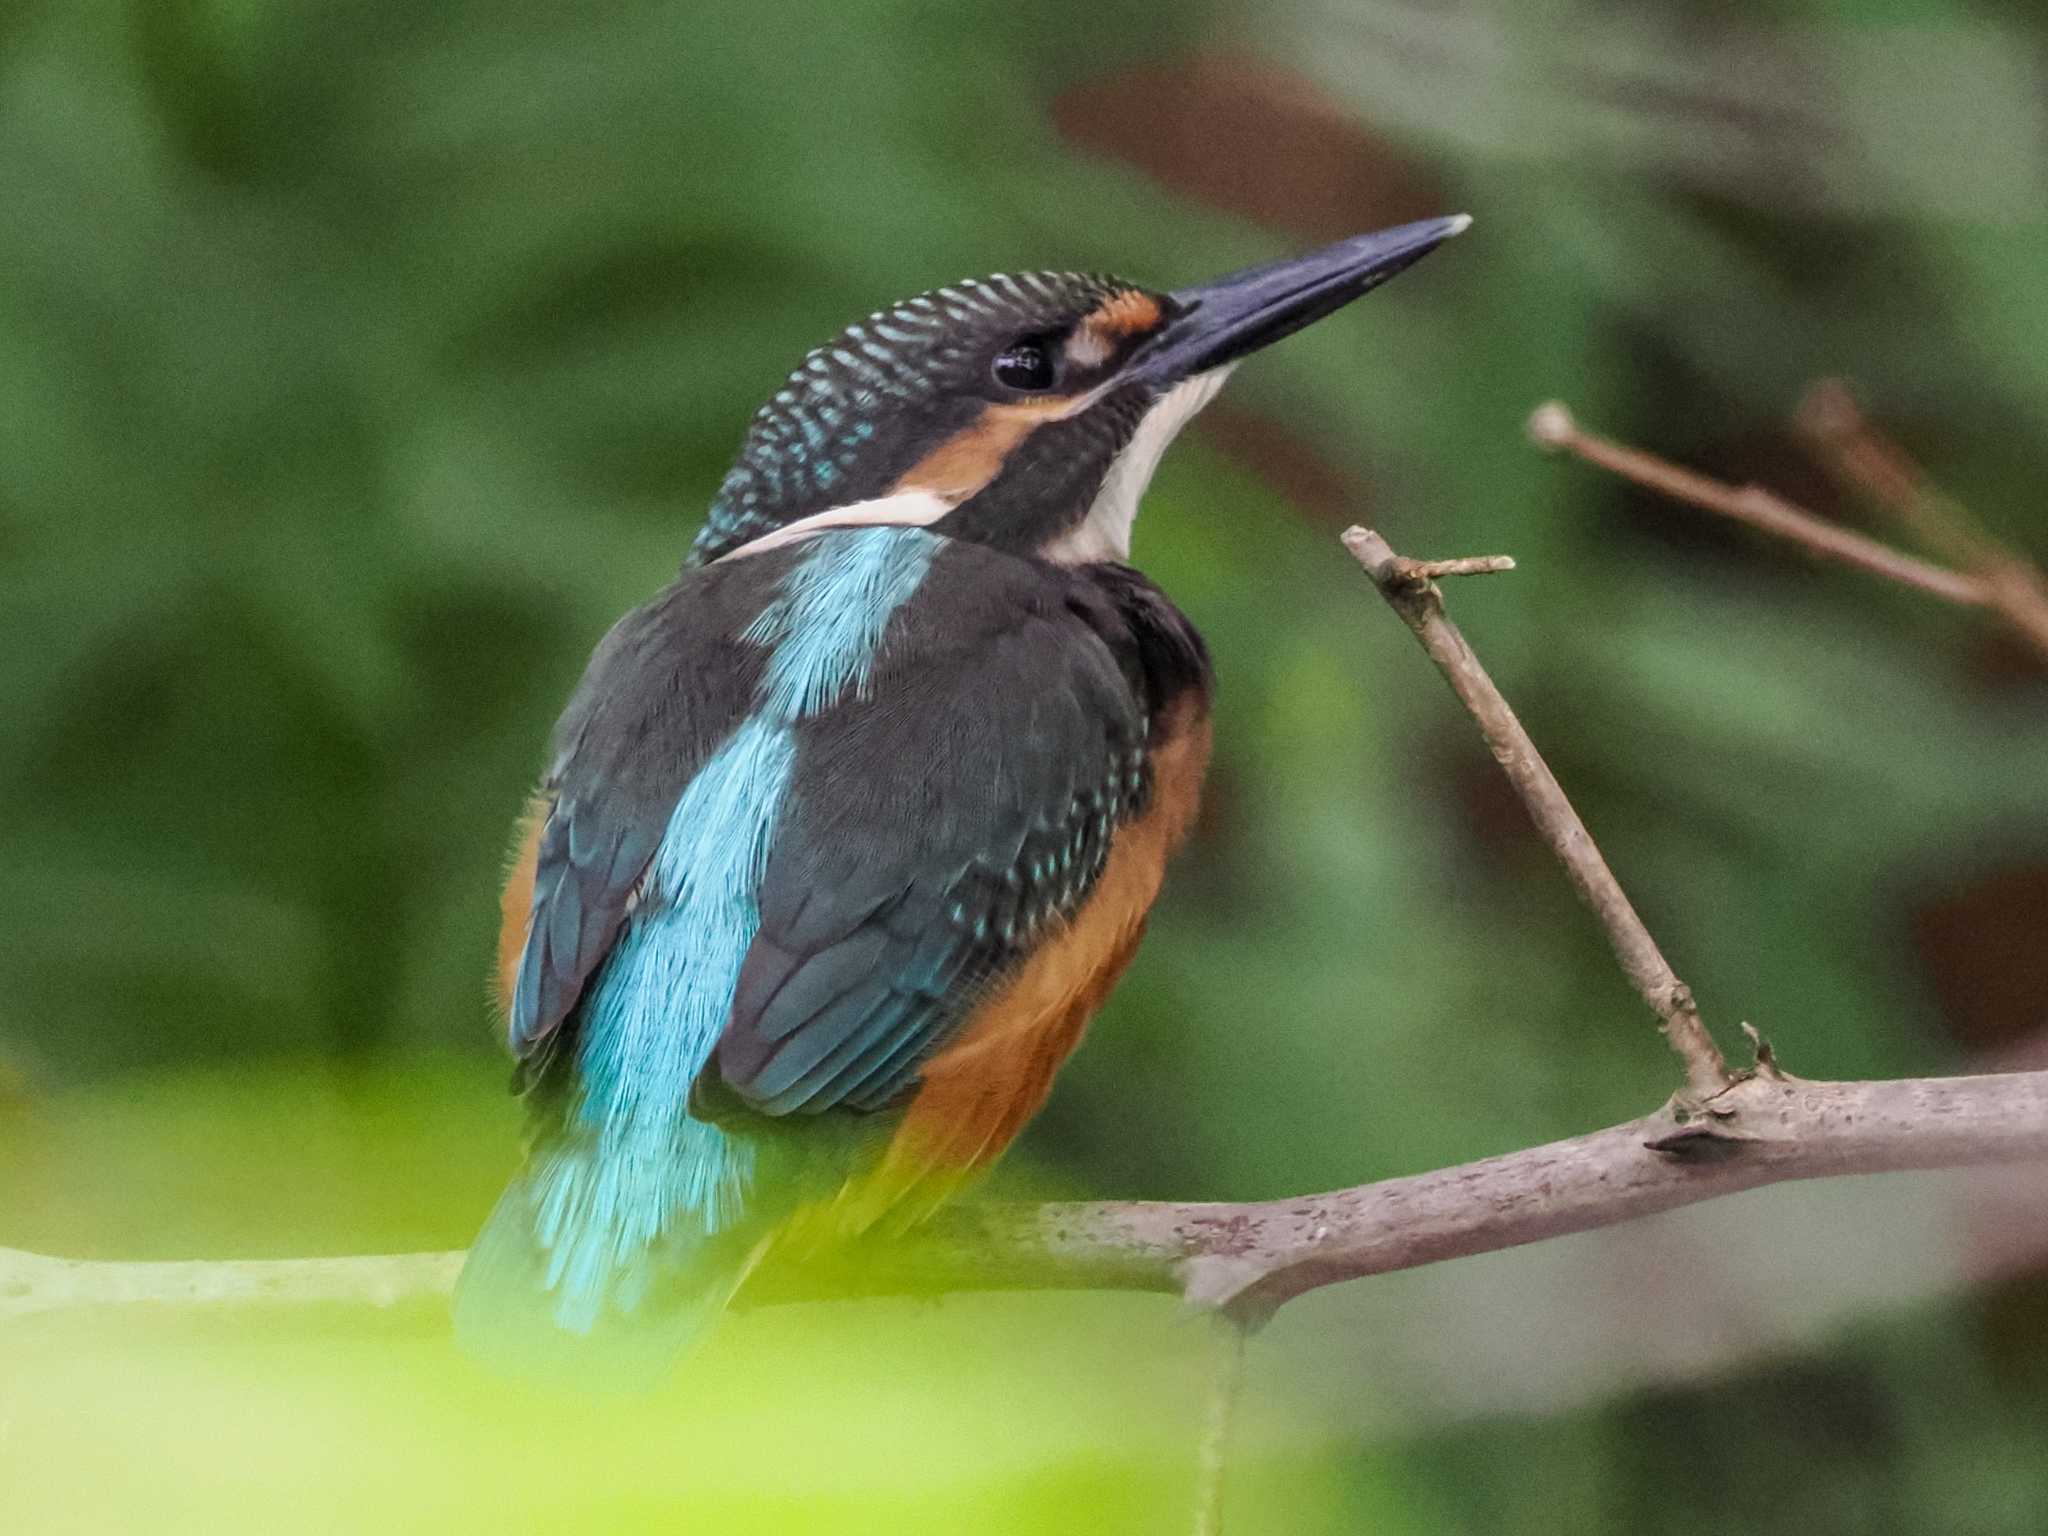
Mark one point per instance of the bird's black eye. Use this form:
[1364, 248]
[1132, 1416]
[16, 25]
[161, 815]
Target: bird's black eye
[1025, 365]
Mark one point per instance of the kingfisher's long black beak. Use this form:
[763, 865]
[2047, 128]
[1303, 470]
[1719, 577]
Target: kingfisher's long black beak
[1219, 322]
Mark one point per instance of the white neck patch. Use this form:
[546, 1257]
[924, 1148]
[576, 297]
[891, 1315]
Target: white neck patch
[1105, 533]
[906, 509]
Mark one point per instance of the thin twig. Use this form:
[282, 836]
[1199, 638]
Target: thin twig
[1420, 606]
[1226, 1386]
[33, 1283]
[1766, 1129]
[1469, 565]
[1551, 427]
[1864, 459]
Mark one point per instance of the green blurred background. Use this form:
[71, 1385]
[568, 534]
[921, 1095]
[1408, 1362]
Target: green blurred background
[361, 360]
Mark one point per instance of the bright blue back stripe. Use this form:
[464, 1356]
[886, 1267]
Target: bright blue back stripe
[660, 1001]
[827, 621]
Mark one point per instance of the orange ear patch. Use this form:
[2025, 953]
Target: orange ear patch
[971, 457]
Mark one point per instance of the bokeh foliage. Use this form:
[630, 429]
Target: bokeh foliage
[359, 362]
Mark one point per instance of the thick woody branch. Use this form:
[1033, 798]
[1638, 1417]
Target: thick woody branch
[1250, 1258]
[1407, 587]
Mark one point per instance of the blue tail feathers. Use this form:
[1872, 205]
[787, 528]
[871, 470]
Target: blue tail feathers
[573, 1282]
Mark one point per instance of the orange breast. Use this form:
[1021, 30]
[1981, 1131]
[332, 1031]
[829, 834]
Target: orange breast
[980, 1090]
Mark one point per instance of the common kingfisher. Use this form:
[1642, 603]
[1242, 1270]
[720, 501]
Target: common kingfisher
[847, 832]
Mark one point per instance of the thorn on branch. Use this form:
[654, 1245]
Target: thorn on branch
[1698, 1143]
[1766, 1064]
[1419, 571]
[1392, 572]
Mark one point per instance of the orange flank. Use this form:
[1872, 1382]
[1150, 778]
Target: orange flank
[515, 903]
[979, 1091]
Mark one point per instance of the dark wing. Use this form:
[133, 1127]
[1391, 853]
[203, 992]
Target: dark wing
[663, 689]
[934, 827]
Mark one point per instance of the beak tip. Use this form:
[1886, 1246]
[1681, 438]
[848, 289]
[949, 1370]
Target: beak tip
[1224, 320]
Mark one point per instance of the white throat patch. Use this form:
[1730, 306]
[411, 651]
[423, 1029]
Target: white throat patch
[1105, 533]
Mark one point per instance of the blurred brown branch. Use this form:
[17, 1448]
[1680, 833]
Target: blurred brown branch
[1996, 577]
[1865, 460]
[1727, 1133]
